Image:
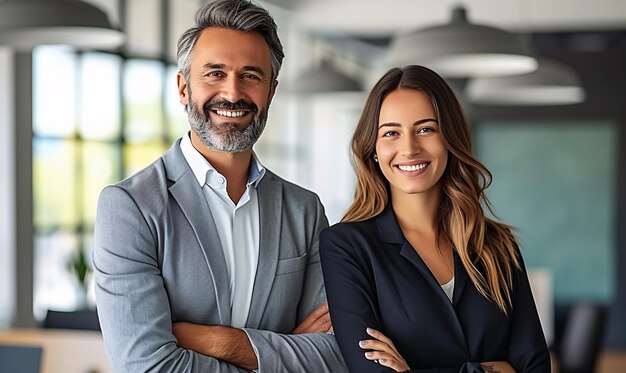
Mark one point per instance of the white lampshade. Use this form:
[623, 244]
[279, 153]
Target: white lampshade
[460, 49]
[553, 83]
[24, 24]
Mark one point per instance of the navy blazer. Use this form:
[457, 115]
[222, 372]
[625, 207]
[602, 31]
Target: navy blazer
[374, 278]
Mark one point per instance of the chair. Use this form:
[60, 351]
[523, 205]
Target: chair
[80, 320]
[20, 359]
[582, 338]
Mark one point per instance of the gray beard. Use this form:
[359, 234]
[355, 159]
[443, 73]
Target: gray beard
[225, 137]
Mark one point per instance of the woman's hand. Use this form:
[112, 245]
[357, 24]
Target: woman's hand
[317, 321]
[497, 367]
[383, 351]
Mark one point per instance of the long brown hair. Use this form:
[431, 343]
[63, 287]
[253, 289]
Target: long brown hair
[480, 242]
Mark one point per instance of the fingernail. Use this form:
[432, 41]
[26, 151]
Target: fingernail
[369, 354]
[370, 330]
[362, 343]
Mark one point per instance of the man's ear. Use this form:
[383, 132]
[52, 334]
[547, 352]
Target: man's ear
[182, 89]
[272, 92]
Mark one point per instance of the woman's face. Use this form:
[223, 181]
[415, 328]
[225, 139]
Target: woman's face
[409, 145]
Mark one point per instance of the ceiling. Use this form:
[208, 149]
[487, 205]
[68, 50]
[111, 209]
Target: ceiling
[376, 18]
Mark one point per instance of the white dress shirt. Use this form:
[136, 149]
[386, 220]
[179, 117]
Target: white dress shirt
[237, 226]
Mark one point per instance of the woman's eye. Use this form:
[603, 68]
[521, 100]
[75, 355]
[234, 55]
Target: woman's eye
[426, 130]
[390, 133]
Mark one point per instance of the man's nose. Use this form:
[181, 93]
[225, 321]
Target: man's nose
[232, 90]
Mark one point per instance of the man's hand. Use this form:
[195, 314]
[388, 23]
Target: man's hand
[318, 321]
[221, 342]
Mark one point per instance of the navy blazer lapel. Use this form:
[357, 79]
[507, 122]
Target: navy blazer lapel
[192, 201]
[269, 194]
[460, 278]
[390, 232]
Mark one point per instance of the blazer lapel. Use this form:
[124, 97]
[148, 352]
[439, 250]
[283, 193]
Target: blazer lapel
[270, 216]
[192, 201]
[408, 252]
[460, 278]
[390, 232]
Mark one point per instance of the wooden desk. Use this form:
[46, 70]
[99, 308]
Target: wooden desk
[608, 362]
[73, 351]
[612, 362]
[69, 351]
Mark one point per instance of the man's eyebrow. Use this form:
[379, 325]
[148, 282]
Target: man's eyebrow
[416, 123]
[256, 69]
[211, 65]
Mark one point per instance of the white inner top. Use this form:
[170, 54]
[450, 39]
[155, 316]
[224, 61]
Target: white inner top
[448, 288]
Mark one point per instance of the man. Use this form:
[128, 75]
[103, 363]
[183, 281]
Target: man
[205, 261]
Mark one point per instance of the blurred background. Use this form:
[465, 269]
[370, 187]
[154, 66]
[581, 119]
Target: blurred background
[542, 83]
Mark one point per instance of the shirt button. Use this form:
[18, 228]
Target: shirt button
[221, 180]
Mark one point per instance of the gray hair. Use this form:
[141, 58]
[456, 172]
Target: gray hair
[240, 15]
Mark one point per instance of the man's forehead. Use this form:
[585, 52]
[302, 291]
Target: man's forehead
[231, 47]
[233, 40]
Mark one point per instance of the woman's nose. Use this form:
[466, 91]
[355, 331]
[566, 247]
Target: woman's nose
[410, 146]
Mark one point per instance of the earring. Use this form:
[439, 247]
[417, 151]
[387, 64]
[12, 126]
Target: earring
[375, 158]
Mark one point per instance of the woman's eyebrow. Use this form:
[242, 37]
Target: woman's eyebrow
[416, 123]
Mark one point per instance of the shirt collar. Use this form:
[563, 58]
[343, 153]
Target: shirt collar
[257, 171]
[200, 166]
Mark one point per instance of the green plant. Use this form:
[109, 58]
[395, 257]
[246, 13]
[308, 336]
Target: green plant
[80, 268]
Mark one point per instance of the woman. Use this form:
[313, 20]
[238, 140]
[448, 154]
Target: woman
[417, 276]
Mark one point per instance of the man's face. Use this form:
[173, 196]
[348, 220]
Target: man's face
[231, 83]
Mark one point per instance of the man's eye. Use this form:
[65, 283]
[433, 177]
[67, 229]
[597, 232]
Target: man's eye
[214, 74]
[251, 76]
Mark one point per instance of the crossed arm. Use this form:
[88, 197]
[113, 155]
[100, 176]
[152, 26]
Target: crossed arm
[135, 305]
[381, 350]
[232, 345]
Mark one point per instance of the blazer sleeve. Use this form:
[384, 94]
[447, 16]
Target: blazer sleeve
[316, 352]
[133, 305]
[527, 350]
[351, 298]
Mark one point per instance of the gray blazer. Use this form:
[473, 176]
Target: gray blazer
[157, 259]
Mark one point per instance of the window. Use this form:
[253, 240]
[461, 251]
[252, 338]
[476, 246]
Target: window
[97, 118]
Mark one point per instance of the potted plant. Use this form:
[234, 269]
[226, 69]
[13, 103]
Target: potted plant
[80, 268]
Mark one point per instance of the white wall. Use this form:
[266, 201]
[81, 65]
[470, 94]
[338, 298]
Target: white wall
[7, 190]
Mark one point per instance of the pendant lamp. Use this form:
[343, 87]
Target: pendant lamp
[324, 78]
[461, 49]
[25, 24]
[553, 83]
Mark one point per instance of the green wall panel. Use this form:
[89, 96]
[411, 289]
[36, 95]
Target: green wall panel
[555, 182]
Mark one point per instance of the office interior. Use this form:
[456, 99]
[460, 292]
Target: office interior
[75, 119]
